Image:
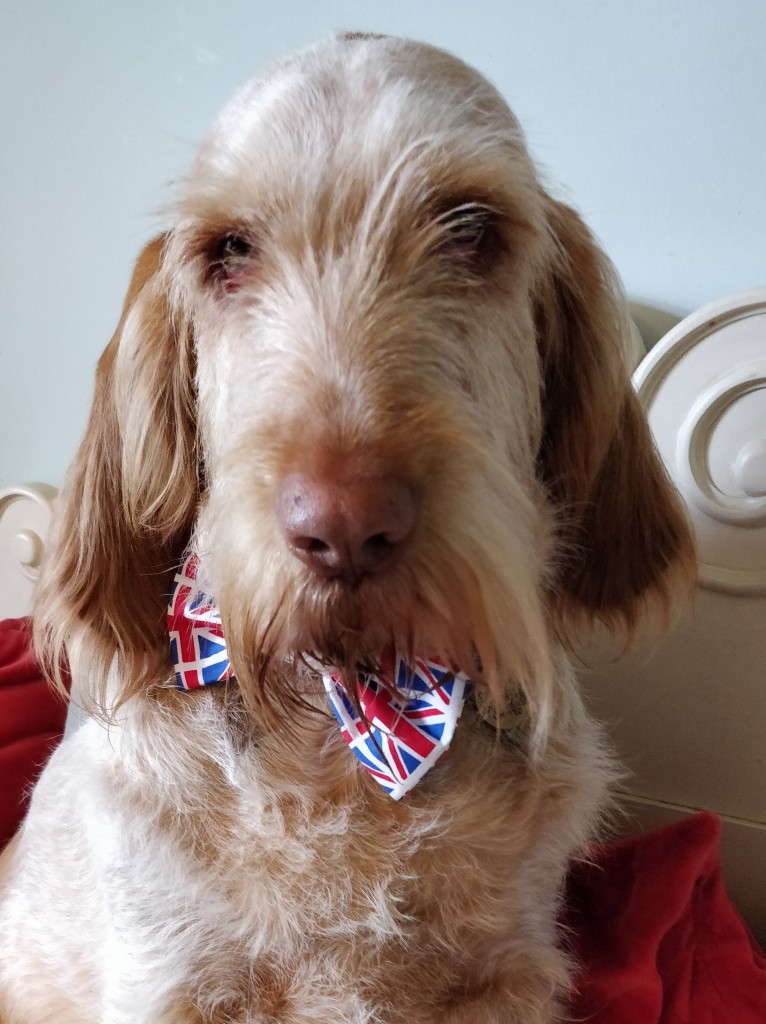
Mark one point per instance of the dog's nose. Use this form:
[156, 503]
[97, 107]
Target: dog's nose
[346, 529]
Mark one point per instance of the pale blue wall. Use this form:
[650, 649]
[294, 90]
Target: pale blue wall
[649, 116]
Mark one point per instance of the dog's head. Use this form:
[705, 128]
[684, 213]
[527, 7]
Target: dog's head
[377, 375]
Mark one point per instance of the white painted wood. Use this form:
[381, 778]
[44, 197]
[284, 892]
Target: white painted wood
[704, 388]
[688, 716]
[25, 514]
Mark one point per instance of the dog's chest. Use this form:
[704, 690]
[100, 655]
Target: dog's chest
[255, 875]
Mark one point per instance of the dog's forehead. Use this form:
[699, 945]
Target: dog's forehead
[350, 91]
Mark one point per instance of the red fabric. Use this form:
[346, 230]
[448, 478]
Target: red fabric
[32, 721]
[649, 917]
[660, 941]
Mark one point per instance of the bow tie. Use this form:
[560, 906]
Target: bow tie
[404, 728]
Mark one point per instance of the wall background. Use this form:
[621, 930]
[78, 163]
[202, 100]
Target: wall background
[648, 116]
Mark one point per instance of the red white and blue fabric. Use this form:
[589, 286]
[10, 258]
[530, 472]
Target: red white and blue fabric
[197, 644]
[404, 735]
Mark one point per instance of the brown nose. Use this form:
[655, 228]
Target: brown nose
[346, 529]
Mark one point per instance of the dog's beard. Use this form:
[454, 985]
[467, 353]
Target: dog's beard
[445, 608]
[278, 652]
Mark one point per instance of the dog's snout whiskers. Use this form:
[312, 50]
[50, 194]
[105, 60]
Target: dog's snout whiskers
[346, 528]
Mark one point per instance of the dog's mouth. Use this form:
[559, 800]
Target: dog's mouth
[345, 619]
[366, 627]
[388, 667]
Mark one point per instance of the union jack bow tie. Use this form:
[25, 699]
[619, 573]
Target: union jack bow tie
[197, 644]
[405, 732]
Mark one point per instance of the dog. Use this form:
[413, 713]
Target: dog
[372, 382]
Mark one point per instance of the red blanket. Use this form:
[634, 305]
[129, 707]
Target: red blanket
[660, 941]
[31, 723]
[649, 918]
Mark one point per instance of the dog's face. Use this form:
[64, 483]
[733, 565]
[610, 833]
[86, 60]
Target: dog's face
[356, 257]
[377, 373]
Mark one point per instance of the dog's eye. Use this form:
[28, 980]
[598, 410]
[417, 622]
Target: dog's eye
[230, 258]
[233, 247]
[465, 233]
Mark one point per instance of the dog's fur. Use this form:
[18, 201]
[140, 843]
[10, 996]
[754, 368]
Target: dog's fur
[220, 856]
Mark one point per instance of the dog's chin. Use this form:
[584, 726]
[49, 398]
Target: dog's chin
[348, 627]
[327, 624]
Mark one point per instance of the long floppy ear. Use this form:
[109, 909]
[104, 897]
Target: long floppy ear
[624, 533]
[128, 501]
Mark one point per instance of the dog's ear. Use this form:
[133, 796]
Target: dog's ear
[129, 499]
[623, 530]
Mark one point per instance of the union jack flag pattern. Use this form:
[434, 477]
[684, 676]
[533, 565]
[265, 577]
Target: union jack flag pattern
[408, 733]
[197, 644]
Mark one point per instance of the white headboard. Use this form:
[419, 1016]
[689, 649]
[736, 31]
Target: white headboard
[25, 515]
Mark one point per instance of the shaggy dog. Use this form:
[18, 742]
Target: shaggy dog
[373, 376]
